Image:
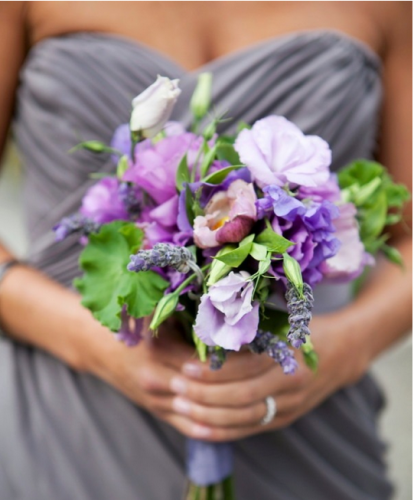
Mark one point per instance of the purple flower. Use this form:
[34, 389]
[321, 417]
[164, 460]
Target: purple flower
[155, 165]
[73, 224]
[329, 191]
[277, 152]
[102, 202]
[229, 216]
[349, 262]
[226, 316]
[130, 331]
[283, 205]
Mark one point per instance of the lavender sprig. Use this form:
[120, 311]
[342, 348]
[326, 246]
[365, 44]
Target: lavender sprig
[73, 224]
[276, 349]
[217, 358]
[164, 255]
[300, 313]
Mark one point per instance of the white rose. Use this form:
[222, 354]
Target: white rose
[152, 108]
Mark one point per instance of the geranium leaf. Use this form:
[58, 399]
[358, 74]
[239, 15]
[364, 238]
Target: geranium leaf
[107, 285]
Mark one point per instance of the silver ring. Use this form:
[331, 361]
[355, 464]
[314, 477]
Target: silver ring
[271, 410]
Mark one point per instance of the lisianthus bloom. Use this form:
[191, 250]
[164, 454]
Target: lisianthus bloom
[349, 262]
[102, 203]
[152, 108]
[277, 152]
[155, 165]
[314, 235]
[229, 216]
[226, 315]
[329, 191]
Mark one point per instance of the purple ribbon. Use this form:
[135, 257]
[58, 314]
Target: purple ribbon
[208, 463]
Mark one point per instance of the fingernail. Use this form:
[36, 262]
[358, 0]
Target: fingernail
[181, 405]
[200, 431]
[179, 385]
[192, 370]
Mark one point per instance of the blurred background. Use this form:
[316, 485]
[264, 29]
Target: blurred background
[392, 370]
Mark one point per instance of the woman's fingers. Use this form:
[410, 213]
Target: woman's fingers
[235, 417]
[240, 393]
[218, 434]
[238, 366]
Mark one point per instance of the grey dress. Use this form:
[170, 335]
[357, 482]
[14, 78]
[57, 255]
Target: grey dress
[65, 435]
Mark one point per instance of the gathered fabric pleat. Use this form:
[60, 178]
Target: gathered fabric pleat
[66, 435]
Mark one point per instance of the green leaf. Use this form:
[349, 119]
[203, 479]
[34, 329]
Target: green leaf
[94, 147]
[392, 254]
[207, 161]
[364, 193]
[183, 174]
[360, 172]
[219, 269]
[226, 151]
[273, 241]
[309, 355]
[242, 125]
[165, 308]
[236, 257]
[264, 266]
[107, 285]
[397, 194]
[122, 166]
[372, 217]
[259, 252]
[274, 321]
[100, 175]
[219, 176]
[392, 219]
[292, 271]
[189, 204]
[200, 347]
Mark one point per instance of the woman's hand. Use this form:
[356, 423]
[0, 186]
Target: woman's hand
[229, 404]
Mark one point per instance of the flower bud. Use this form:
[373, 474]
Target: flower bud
[152, 108]
[200, 101]
[165, 308]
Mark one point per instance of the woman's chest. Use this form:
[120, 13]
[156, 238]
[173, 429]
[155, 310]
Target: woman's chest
[194, 33]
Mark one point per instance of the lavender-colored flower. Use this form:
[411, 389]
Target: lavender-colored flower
[226, 315]
[162, 255]
[283, 204]
[73, 224]
[155, 166]
[300, 313]
[131, 197]
[102, 202]
[277, 152]
[328, 191]
[217, 358]
[349, 262]
[130, 331]
[276, 349]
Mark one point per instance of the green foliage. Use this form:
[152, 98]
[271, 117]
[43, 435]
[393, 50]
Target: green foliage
[107, 285]
[201, 347]
[378, 200]
[274, 321]
[219, 176]
[183, 174]
[292, 271]
[259, 252]
[219, 269]
[273, 241]
[122, 166]
[165, 308]
[226, 151]
[234, 258]
[94, 147]
[208, 160]
[309, 355]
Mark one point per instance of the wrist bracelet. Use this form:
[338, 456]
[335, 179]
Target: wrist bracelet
[6, 266]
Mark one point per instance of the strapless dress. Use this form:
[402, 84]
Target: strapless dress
[66, 435]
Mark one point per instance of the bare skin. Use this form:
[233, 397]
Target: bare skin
[162, 375]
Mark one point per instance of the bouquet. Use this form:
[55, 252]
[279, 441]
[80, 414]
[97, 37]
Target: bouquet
[204, 227]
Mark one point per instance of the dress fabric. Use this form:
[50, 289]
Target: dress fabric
[65, 435]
